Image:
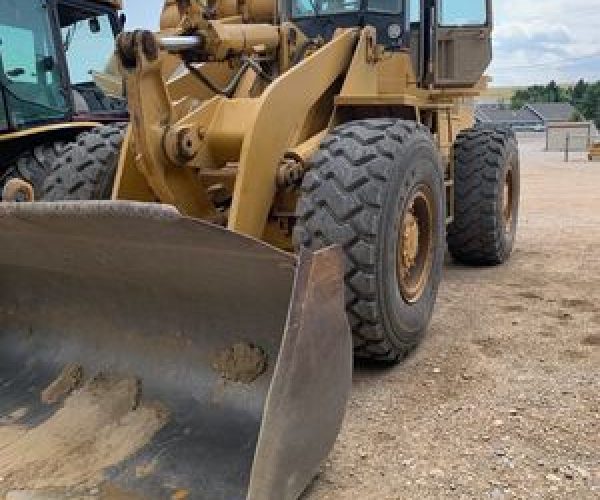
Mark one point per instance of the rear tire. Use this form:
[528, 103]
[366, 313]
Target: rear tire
[363, 183]
[86, 168]
[486, 196]
[34, 166]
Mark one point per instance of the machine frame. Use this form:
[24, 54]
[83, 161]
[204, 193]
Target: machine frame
[180, 123]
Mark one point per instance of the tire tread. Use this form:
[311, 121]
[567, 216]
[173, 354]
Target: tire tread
[35, 165]
[476, 235]
[341, 202]
[85, 168]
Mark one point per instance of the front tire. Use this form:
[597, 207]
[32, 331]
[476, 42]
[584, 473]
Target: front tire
[375, 187]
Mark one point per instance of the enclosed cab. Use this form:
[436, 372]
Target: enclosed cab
[450, 40]
[57, 78]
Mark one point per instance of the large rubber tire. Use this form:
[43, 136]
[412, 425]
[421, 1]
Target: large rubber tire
[479, 234]
[85, 168]
[354, 195]
[34, 166]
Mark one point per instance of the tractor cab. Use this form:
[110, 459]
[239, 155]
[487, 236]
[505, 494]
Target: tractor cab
[449, 40]
[323, 17]
[55, 63]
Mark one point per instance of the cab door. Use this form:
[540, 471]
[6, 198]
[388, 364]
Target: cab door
[463, 42]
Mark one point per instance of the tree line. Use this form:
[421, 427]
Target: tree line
[584, 96]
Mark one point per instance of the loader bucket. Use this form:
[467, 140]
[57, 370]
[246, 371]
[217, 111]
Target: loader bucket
[148, 355]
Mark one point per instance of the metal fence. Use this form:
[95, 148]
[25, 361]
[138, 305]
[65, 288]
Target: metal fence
[575, 136]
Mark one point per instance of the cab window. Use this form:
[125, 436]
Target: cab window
[463, 13]
[306, 8]
[386, 6]
[303, 8]
[339, 6]
[415, 11]
[89, 44]
[29, 73]
[18, 54]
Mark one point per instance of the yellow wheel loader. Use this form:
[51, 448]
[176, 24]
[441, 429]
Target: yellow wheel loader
[181, 317]
[56, 82]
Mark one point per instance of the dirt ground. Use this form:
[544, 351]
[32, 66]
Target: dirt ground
[503, 398]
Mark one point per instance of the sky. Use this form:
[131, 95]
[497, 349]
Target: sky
[534, 40]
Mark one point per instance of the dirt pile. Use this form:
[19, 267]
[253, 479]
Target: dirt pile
[98, 426]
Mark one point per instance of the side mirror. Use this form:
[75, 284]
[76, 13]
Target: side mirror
[94, 25]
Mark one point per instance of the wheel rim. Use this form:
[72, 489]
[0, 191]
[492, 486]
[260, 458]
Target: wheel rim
[415, 243]
[18, 190]
[507, 202]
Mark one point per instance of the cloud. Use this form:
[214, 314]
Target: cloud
[536, 40]
[537, 34]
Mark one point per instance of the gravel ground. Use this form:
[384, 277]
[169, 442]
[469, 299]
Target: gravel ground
[502, 400]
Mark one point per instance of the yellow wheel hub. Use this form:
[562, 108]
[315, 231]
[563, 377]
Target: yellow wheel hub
[410, 241]
[415, 245]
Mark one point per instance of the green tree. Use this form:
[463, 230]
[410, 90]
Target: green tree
[576, 116]
[539, 93]
[584, 96]
[578, 92]
[552, 92]
[590, 104]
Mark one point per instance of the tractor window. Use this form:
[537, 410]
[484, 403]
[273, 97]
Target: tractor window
[305, 8]
[19, 54]
[339, 6]
[461, 13]
[387, 6]
[29, 74]
[89, 44]
[415, 11]
[88, 38]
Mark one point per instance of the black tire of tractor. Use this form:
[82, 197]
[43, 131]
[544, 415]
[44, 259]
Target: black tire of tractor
[479, 234]
[34, 166]
[355, 194]
[86, 168]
